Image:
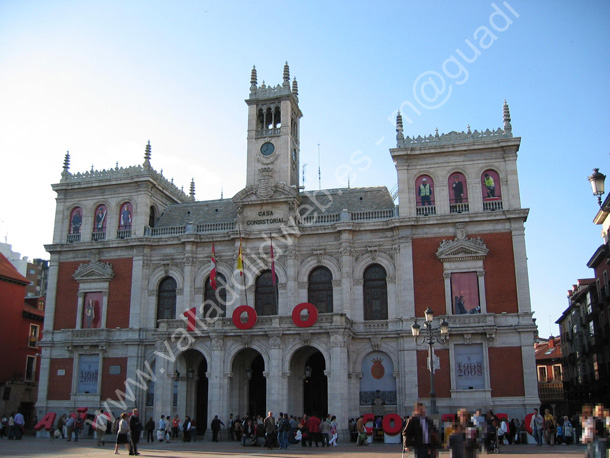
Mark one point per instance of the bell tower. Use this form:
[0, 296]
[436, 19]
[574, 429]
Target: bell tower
[273, 134]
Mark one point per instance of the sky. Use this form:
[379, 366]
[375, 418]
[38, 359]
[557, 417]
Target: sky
[101, 78]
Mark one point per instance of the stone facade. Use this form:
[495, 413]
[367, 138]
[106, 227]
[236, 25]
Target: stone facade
[115, 302]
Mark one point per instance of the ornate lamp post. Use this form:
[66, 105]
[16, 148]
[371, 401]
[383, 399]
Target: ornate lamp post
[597, 184]
[430, 337]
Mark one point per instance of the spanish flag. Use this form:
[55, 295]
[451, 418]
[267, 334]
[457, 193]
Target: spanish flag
[240, 260]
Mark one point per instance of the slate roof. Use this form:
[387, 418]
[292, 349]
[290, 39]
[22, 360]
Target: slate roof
[331, 200]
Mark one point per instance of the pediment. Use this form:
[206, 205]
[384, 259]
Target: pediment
[252, 194]
[462, 250]
[94, 271]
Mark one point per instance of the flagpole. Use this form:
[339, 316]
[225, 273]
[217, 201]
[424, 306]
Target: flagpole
[240, 263]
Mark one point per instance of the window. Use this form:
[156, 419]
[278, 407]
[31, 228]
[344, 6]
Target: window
[33, 337]
[125, 216]
[152, 219]
[465, 293]
[589, 303]
[99, 223]
[542, 374]
[557, 373]
[490, 189]
[166, 299]
[92, 310]
[266, 295]
[215, 299]
[75, 223]
[6, 396]
[424, 196]
[88, 371]
[458, 193]
[375, 293]
[320, 289]
[30, 368]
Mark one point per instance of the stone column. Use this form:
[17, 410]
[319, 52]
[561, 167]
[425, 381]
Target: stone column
[274, 377]
[164, 385]
[217, 383]
[189, 279]
[347, 264]
[338, 392]
[521, 273]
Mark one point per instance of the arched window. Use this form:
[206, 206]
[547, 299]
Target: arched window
[277, 118]
[152, 219]
[375, 293]
[260, 119]
[125, 216]
[425, 196]
[458, 193]
[76, 221]
[166, 299]
[490, 188]
[265, 295]
[320, 289]
[215, 299]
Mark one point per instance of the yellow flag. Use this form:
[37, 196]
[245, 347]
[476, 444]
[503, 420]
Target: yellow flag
[240, 261]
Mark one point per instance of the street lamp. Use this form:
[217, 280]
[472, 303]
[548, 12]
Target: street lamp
[430, 337]
[597, 184]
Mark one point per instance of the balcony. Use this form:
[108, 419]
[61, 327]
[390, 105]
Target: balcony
[73, 238]
[97, 236]
[459, 208]
[426, 210]
[492, 205]
[550, 391]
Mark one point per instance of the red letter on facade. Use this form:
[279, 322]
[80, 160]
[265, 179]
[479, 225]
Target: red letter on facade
[251, 317]
[387, 424]
[296, 315]
[47, 422]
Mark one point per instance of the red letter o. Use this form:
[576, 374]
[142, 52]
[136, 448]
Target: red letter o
[387, 421]
[251, 317]
[296, 315]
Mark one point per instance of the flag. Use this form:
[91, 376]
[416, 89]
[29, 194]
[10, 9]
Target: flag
[213, 269]
[240, 260]
[273, 277]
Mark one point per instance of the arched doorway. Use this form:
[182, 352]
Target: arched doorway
[193, 385]
[248, 391]
[308, 384]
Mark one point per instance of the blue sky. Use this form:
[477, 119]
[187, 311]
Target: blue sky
[101, 78]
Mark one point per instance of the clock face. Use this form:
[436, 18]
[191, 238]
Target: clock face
[267, 149]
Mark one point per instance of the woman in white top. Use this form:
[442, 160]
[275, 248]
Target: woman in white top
[122, 434]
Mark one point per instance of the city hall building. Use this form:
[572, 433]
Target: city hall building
[321, 324]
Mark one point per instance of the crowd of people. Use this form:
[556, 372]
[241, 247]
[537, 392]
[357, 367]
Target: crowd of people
[13, 426]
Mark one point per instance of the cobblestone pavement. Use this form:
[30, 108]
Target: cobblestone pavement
[38, 447]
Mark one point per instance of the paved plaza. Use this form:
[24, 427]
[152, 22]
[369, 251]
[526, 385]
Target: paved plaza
[39, 447]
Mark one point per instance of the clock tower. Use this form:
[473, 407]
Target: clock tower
[273, 135]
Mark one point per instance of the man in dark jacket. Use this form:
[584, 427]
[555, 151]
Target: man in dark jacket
[420, 434]
[135, 428]
[216, 428]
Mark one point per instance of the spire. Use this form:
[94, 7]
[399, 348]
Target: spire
[295, 87]
[469, 132]
[192, 191]
[66, 171]
[508, 128]
[147, 151]
[400, 138]
[253, 79]
[286, 75]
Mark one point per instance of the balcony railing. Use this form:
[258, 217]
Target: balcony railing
[268, 132]
[97, 236]
[370, 215]
[216, 227]
[459, 208]
[426, 211]
[73, 238]
[551, 391]
[492, 205]
[123, 234]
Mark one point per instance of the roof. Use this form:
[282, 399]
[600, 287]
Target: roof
[329, 201]
[9, 273]
[544, 351]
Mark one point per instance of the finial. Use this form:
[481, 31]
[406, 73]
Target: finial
[295, 87]
[508, 128]
[263, 86]
[147, 154]
[67, 162]
[192, 190]
[286, 75]
[436, 132]
[348, 186]
[253, 79]
[400, 138]
[221, 192]
[92, 169]
[117, 165]
[468, 131]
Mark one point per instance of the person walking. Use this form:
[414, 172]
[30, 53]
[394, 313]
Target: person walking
[420, 434]
[122, 435]
[186, 429]
[150, 430]
[269, 425]
[19, 425]
[536, 424]
[101, 425]
[333, 432]
[135, 428]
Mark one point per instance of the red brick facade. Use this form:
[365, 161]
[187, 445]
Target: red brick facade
[119, 295]
[111, 382]
[506, 371]
[60, 385]
[442, 376]
[499, 265]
